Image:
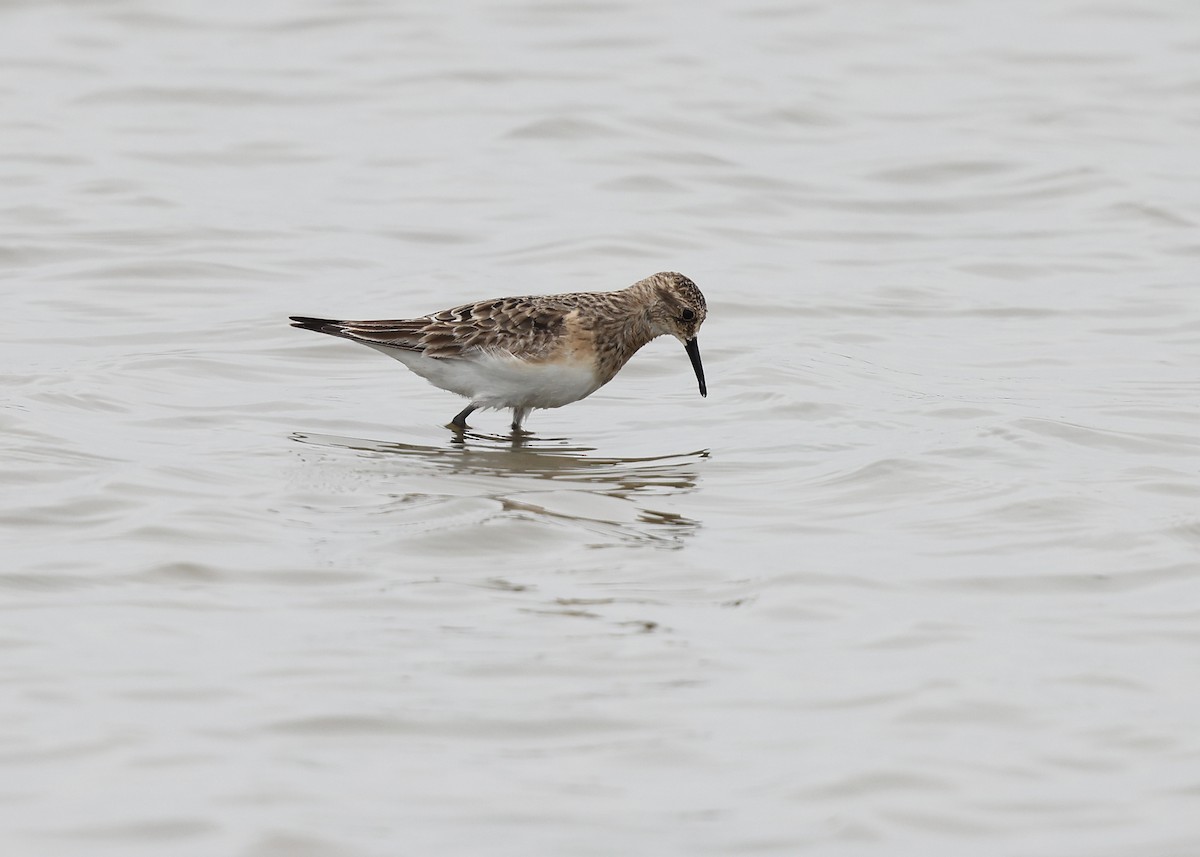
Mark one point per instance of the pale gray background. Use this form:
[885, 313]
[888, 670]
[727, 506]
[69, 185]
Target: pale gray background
[919, 577]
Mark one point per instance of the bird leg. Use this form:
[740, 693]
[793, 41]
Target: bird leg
[460, 421]
[519, 415]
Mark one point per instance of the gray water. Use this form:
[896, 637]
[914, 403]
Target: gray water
[919, 577]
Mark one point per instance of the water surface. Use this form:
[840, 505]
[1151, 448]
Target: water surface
[919, 576]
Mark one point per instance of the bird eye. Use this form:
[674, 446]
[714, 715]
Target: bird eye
[687, 315]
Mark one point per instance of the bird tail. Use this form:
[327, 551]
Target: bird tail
[320, 325]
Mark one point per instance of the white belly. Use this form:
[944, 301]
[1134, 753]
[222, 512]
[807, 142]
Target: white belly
[501, 380]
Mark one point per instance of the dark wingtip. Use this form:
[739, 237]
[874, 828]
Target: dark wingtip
[305, 322]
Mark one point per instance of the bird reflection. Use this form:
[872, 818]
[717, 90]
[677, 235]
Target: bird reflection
[571, 468]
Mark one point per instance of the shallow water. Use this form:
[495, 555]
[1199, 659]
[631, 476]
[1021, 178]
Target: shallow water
[919, 576]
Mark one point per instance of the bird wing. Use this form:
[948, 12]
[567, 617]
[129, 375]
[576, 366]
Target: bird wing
[523, 326]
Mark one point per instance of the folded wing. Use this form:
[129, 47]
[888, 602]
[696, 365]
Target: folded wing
[524, 327]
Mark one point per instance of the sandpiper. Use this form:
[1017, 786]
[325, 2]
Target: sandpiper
[541, 351]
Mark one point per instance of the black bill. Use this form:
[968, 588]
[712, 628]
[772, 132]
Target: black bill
[693, 352]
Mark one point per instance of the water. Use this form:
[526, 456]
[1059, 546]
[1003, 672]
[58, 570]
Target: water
[919, 577]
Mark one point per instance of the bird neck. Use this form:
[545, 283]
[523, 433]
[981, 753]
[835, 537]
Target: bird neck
[622, 334]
